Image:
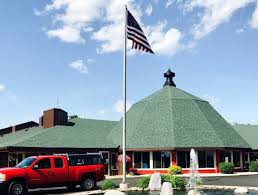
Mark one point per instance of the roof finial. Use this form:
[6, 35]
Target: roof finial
[169, 78]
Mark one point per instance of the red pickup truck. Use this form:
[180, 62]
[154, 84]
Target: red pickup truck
[51, 171]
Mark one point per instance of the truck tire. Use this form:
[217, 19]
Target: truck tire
[17, 188]
[88, 183]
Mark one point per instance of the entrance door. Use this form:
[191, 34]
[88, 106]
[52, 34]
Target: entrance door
[105, 155]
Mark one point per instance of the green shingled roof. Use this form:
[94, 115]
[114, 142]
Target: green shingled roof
[172, 118]
[85, 133]
[249, 133]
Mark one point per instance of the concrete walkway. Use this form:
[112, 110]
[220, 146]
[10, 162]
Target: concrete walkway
[238, 179]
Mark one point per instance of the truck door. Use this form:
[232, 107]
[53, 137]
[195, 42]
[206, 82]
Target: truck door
[60, 170]
[40, 173]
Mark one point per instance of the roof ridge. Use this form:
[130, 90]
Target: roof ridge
[172, 118]
[207, 121]
[91, 119]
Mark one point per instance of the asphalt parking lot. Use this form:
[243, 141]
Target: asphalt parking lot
[251, 180]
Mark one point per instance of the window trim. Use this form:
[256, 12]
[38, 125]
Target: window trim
[170, 158]
[214, 160]
[142, 160]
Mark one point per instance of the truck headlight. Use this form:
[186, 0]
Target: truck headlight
[2, 177]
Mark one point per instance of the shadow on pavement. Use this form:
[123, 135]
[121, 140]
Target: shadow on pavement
[50, 191]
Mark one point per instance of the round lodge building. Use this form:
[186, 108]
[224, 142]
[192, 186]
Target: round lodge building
[161, 130]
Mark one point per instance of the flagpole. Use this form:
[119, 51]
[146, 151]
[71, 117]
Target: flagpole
[124, 184]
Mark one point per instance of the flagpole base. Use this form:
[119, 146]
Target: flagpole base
[123, 186]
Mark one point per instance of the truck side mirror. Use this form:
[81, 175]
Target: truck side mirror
[35, 167]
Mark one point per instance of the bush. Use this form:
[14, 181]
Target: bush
[253, 166]
[174, 170]
[108, 184]
[165, 178]
[143, 182]
[227, 168]
[177, 182]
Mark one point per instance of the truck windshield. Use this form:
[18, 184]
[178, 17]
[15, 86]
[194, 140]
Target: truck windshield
[26, 162]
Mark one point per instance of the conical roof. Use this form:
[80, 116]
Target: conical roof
[173, 118]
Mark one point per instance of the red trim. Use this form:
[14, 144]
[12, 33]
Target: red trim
[173, 157]
[217, 161]
[185, 171]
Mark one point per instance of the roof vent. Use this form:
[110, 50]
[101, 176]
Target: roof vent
[169, 78]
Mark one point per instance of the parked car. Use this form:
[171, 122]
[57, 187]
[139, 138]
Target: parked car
[52, 171]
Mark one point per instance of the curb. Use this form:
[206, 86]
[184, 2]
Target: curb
[215, 187]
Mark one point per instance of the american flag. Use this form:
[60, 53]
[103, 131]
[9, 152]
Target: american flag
[135, 33]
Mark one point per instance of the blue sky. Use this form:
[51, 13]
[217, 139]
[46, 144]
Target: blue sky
[70, 52]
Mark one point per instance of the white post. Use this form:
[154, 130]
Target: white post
[124, 185]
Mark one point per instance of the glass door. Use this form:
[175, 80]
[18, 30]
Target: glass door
[105, 155]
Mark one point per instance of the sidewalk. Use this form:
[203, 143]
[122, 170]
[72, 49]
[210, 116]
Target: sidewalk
[187, 175]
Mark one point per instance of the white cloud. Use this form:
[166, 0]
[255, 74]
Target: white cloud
[90, 61]
[240, 30]
[211, 99]
[2, 87]
[79, 66]
[169, 3]
[254, 19]
[111, 35]
[164, 42]
[215, 12]
[73, 17]
[149, 10]
[67, 34]
[103, 111]
[118, 106]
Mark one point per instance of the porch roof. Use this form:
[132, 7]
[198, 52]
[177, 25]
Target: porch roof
[81, 133]
[249, 133]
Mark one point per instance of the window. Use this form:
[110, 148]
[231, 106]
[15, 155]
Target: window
[183, 159]
[253, 156]
[79, 160]
[225, 156]
[58, 163]
[142, 160]
[236, 159]
[44, 163]
[161, 159]
[206, 159]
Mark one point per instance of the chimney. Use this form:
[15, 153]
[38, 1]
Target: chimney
[54, 117]
[41, 121]
[13, 129]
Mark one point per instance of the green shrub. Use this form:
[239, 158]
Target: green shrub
[227, 168]
[174, 170]
[143, 182]
[108, 184]
[178, 182]
[253, 166]
[165, 178]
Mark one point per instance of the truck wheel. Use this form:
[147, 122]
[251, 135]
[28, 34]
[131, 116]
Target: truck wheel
[17, 188]
[88, 183]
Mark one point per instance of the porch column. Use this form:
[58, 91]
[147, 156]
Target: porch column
[151, 160]
[217, 160]
[173, 153]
